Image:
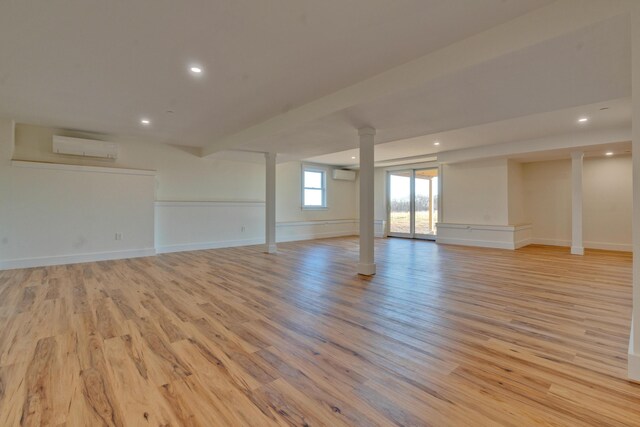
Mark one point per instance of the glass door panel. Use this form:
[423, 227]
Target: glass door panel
[400, 203]
[426, 202]
[423, 203]
[413, 203]
[436, 202]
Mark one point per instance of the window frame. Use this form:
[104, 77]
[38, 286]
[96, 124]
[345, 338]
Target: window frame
[317, 169]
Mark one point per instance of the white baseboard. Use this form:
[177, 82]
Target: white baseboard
[609, 246]
[622, 247]
[286, 232]
[172, 231]
[313, 236]
[380, 227]
[308, 230]
[75, 259]
[208, 245]
[522, 243]
[473, 242]
[246, 242]
[577, 250]
[550, 242]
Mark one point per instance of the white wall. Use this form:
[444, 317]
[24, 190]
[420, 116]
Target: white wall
[182, 226]
[607, 202]
[548, 200]
[516, 193]
[483, 205]
[55, 216]
[52, 215]
[69, 215]
[476, 193]
[181, 174]
[341, 196]
[6, 152]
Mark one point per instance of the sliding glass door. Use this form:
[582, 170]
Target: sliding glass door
[400, 203]
[413, 203]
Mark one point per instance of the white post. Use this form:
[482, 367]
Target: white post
[634, 340]
[367, 265]
[270, 203]
[577, 247]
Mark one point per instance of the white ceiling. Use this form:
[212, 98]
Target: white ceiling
[535, 92]
[531, 127]
[102, 65]
[617, 148]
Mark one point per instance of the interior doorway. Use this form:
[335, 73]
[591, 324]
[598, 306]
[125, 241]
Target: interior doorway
[412, 203]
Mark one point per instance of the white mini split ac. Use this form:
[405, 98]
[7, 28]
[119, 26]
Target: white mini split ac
[84, 147]
[344, 175]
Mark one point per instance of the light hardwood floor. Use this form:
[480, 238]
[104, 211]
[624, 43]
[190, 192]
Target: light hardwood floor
[441, 336]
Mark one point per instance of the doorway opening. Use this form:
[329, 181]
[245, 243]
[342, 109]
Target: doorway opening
[412, 203]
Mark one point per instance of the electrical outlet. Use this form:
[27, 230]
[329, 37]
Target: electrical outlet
[118, 236]
[243, 229]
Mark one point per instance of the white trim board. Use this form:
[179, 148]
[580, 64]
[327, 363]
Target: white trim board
[486, 236]
[75, 259]
[80, 168]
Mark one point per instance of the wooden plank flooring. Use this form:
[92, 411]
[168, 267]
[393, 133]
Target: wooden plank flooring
[441, 336]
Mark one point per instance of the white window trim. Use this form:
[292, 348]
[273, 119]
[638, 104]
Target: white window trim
[325, 172]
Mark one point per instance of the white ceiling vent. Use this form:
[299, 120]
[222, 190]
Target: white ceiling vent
[84, 147]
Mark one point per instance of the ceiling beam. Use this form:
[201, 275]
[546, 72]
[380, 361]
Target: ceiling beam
[540, 145]
[546, 23]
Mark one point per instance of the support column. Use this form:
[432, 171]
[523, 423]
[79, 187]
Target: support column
[270, 204]
[634, 339]
[367, 265]
[577, 247]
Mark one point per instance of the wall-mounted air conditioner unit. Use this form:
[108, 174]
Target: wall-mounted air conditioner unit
[344, 175]
[84, 147]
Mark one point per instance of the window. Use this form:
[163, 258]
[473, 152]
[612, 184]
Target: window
[314, 188]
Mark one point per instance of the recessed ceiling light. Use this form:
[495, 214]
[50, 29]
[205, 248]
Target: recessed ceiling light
[353, 157]
[145, 121]
[583, 119]
[436, 143]
[196, 70]
[609, 153]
